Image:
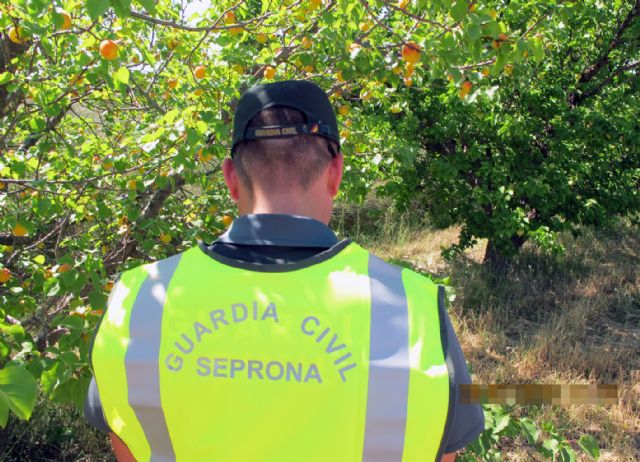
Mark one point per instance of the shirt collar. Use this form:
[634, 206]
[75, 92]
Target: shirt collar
[279, 230]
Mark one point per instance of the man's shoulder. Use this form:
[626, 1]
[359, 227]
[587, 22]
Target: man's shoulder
[143, 269]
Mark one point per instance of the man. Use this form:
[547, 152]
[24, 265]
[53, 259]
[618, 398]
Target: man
[278, 342]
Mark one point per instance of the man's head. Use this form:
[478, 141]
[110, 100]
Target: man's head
[285, 153]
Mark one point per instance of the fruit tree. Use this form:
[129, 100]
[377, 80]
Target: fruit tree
[514, 119]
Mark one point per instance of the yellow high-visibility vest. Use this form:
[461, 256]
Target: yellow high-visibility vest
[335, 358]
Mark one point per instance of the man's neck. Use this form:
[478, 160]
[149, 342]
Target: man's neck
[285, 205]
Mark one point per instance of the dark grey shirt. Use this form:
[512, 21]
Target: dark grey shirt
[282, 239]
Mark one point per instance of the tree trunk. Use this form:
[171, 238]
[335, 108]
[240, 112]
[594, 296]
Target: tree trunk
[497, 260]
[493, 257]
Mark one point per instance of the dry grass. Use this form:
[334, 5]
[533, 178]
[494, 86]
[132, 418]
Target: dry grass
[573, 318]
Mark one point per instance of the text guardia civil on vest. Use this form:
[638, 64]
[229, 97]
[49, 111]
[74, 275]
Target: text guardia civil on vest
[252, 368]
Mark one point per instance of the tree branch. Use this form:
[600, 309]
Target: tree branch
[215, 26]
[592, 70]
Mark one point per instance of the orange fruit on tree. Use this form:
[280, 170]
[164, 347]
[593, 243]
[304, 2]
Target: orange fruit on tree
[204, 156]
[269, 72]
[165, 238]
[173, 43]
[408, 81]
[344, 110]
[411, 52]
[64, 268]
[403, 3]
[409, 70]
[262, 38]
[465, 89]
[19, 230]
[309, 69]
[172, 83]
[212, 210]
[315, 4]
[339, 76]
[66, 20]
[199, 72]
[5, 275]
[16, 35]
[198, 92]
[109, 50]
[306, 42]
[229, 17]
[236, 30]
[365, 26]
[132, 185]
[227, 220]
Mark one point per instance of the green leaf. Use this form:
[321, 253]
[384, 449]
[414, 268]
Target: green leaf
[474, 31]
[122, 75]
[121, 7]
[170, 116]
[96, 8]
[590, 446]
[501, 425]
[14, 330]
[529, 429]
[73, 322]
[79, 389]
[149, 5]
[193, 137]
[5, 77]
[37, 124]
[4, 414]
[551, 444]
[459, 10]
[567, 455]
[18, 391]
[538, 50]
[97, 300]
[49, 379]
[39, 259]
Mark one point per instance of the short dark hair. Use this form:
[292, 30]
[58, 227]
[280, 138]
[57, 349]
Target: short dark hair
[280, 164]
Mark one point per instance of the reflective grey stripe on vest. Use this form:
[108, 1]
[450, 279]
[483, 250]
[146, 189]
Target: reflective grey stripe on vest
[142, 358]
[388, 364]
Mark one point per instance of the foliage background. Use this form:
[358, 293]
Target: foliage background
[517, 122]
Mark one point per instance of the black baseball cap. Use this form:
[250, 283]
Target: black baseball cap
[302, 95]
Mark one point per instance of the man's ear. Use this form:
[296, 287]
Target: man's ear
[231, 178]
[336, 165]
